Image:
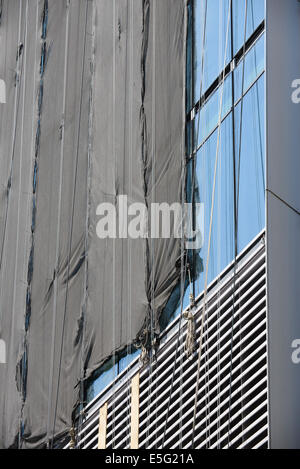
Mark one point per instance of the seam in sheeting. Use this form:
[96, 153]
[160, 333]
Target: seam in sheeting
[57, 255]
[82, 327]
[71, 224]
[143, 339]
[30, 183]
[20, 49]
[24, 361]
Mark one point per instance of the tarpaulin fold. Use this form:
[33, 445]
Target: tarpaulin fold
[97, 103]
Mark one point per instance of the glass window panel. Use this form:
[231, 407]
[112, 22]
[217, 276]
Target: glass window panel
[255, 15]
[173, 308]
[209, 113]
[254, 66]
[101, 382]
[251, 169]
[125, 361]
[216, 29]
[222, 241]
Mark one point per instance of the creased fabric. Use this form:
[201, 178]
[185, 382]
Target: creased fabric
[138, 107]
[95, 93]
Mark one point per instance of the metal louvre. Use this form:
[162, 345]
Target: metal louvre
[232, 410]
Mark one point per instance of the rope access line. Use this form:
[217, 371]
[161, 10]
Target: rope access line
[236, 197]
[71, 224]
[192, 198]
[58, 229]
[210, 234]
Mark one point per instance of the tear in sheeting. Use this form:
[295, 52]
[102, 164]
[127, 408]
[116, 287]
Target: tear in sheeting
[94, 109]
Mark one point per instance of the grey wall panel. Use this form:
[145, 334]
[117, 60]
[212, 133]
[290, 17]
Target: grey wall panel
[283, 224]
[283, 123]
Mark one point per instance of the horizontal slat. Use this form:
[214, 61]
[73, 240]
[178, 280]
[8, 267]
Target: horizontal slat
[233, 373]
[161, 387]
[168, 369]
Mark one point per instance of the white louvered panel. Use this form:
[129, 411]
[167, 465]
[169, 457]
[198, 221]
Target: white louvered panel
[247, 317]
[193, 378]
[233, 374]
[163, 387]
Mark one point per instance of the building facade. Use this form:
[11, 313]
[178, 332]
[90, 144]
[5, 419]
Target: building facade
[147, 342]
[237, 142]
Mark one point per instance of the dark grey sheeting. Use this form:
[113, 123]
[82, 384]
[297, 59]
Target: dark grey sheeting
[99, 112]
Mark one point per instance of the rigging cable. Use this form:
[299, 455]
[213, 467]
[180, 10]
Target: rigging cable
[193, 187]
[130, 150]
[183, 264]
[19, 203]
[241, 113]
[219, 270]
[115, 370]
[236, 195]
[82, 415]
[55, 286]
[152, 244]
[128, 83]
[258, 108]
[210, 234]
[71, 225]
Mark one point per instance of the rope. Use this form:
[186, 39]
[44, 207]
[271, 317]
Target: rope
[114, 242]
[19, 201]
[82, 414]
[202, 78]
[153, 151]
[189, 345]
[71, 225]
[241, 114]
[236, 230]
[184, 263]
[258, 108]
[55, 286]
[205, 329]
[219, 266]
[210, 234]
[182, 247]
[129, 27]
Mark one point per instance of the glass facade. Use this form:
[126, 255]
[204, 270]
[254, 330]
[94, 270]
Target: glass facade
[225, 85]
[225, 81]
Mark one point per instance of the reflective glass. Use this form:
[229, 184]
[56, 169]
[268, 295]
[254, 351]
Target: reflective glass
[250, 165]
[254, 66]
[214, 47]
[100, 383]
[222, 240]
[255, 15]
[125, 361]
[209, 113]
[108, 373]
